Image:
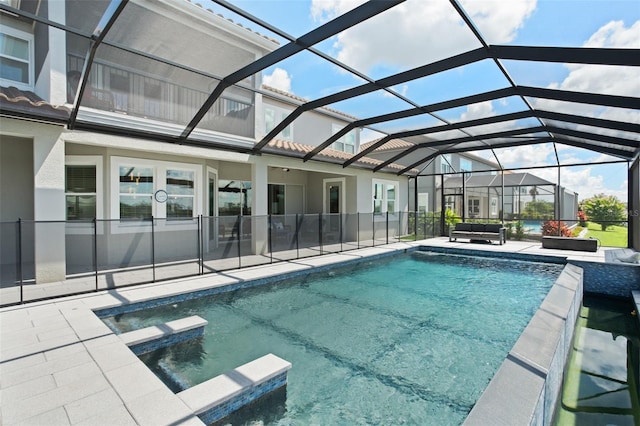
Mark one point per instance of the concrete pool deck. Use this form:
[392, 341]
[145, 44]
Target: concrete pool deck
[61, 365]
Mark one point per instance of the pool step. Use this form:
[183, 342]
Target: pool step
[155, 337]
[222, 395]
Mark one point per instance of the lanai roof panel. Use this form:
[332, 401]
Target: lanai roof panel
[527, 63]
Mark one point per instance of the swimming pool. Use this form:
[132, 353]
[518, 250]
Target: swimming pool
[406, 339]
[532, 226]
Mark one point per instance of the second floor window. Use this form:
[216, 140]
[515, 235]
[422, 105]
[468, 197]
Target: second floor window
[15, 58]
[347, 143]
[465, 165]
[274, 116]
[445, 164]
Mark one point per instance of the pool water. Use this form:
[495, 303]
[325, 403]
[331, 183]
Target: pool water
[532, 226]
[411, 339]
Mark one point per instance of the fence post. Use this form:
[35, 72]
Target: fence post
[340, 223]
[358, 226]
[239, 240]
[200, 246]
[297, 237]
[95, 250]
[20, 273]
[320, 231]
[270, 235]
[373, 228]
[415, 225]
[153, 249]
[387, 225]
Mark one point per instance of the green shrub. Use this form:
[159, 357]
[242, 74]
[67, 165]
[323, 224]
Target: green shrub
[604, 209]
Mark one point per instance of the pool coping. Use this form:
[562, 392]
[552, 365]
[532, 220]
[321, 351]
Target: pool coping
[61, 364]
[148, 339]
[124, 389]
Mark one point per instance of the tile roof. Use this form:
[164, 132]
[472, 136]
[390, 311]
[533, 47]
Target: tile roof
[271, 39]
[298, 148]
[26, 103]
[303, 100]
[392, 144]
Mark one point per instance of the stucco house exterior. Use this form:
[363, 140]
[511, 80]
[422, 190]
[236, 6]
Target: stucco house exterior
[50, 171]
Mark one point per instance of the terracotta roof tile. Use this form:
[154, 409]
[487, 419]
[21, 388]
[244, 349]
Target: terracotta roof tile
[392, 144]
[14, 100]
[237, 23]
[280, 144]
[303, 100]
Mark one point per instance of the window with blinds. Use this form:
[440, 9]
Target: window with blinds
[80, 192]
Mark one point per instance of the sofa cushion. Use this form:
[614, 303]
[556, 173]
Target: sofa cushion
[463, 227]
[477, 227]
[492, 227]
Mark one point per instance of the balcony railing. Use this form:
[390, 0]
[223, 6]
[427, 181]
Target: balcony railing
[140, 95]
[103, 254]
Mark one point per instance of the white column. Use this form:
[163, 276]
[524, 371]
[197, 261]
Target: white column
[51, 84]
[49, 205]
[259, 182]
[365, 194]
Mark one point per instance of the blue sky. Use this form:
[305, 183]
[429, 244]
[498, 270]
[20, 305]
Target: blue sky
[421, 31]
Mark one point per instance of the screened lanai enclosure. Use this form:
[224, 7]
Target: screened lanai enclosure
[500, 196]
[136, 58]
[266, 127]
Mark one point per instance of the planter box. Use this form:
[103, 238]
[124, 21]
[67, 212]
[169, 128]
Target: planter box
[566, 243]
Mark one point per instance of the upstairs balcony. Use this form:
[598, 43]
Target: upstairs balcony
[136, 94]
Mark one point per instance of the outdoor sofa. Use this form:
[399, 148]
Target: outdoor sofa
[479, 231]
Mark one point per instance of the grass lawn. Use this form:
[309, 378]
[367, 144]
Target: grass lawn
[614, 236]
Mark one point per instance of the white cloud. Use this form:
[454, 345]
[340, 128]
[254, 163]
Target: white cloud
[583, 181]
[613, 80]
[597, 79]
[483, 110]
[526, 156]
[603, 158]
[478, 110]
[418, 31]
[279, 79]
[416, 24]
[498, 20]
[398, 89]
[325, 10]
[614, 34]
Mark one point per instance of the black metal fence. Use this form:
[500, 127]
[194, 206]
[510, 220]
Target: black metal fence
[74, 257]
